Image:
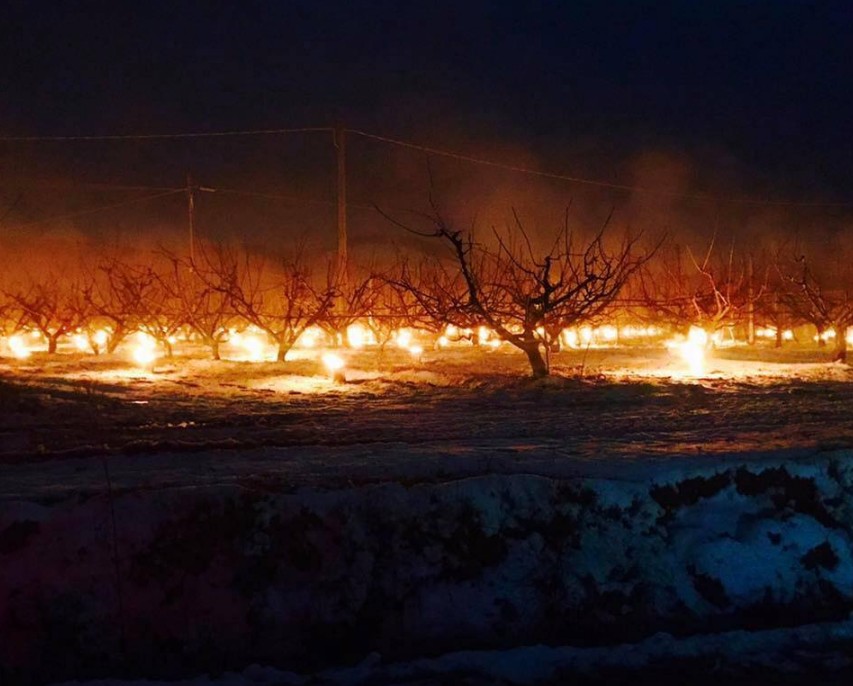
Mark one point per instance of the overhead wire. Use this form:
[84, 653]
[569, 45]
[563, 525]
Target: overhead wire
[94, 210]
[441, 152]
[163, 136]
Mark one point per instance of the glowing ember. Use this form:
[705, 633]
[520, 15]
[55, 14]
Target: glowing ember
[80, 342]
[18, 347]
[403, 338]
[608, 333]
[145, 350]
[359, 336]
[570, 338]
[254, 347]
[310, 338]
[335, 366]
[692, 350]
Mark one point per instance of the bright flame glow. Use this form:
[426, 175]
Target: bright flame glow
[443, 342]
[18, 347]
[403, 338]
[692, 350]
[145, 351]
[570, 338]
[356, 336]
[80, 342]
[608, 333]
[333, 363]
[310, 338]
[101, 337]
[416, 350]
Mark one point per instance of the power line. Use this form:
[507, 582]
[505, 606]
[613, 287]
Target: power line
[589, 182]
[451, 154]
[85, 186]
[286, 198]
[102, 208]
[163, 136]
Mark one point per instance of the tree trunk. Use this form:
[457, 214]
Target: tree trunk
[116, 338]
[840, 354]
[214, 349]
[283, 349]
[821, 343]
[778, 336]
[51, 343]
[537, 362]
[168, 346]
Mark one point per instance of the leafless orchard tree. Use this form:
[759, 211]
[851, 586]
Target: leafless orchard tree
[516, 290]
[201, 298]
[822, 294]
[396, 307]
[51, 304]
[279, 299]
[113, 294]
[709, 292]
[354, 300]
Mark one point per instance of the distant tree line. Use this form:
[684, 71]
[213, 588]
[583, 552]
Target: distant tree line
[526, 291]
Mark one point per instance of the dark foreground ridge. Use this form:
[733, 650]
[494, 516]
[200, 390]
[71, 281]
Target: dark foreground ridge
[180, 581]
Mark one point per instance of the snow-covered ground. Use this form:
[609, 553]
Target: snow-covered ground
[205, 516]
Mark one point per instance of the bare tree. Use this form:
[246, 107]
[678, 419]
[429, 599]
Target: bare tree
[823, 297]
[517, 291]
[113, 294]
[684, 291]
[52, 305]
[201, 298]
[282, 301]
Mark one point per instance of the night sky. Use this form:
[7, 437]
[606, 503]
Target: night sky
[750, 97]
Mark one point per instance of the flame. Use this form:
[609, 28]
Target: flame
[310, 337]
[416, 350]
[608, 333]
[692, 350]
[570, 338]
[443, 342]
[145, 351]
[18, 347]
[80, 342]
[101, 337]
[334, 365]
[359, 336]
[403, 338]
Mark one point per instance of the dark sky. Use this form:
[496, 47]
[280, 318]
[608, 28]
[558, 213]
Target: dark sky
[757, 95]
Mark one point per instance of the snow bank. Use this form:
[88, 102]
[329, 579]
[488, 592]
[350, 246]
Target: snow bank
[169, 583]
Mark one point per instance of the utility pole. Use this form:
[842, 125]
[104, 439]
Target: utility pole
[750, 304]
[191, 191]
[191, 215]
[341, 149]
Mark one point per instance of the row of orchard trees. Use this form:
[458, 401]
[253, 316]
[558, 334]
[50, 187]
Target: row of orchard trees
[525, 289]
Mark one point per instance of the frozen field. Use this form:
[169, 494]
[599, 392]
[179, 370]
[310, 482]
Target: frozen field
[617, 518]
[457, 412]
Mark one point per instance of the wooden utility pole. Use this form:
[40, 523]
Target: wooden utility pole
[191, 215]
[191, 191]
[750, 304]
[341, 149]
